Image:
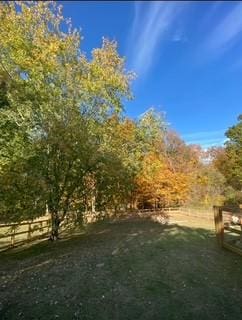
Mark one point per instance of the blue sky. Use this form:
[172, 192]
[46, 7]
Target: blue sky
[187, 56]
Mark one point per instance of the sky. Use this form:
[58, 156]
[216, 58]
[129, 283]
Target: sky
[187, 57]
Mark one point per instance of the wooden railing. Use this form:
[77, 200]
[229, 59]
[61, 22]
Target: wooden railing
[225, 225]
[15, 234]
[197, 212]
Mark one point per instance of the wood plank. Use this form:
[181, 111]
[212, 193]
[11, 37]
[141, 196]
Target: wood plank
[22, 242]
[232, 248]
[232, 230]
[8, 225]
[22, 232]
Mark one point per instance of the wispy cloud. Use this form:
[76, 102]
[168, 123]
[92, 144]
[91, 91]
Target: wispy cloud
[206, 139]
[179, 36]
[209, 15]
[226, 33]
[151, 21]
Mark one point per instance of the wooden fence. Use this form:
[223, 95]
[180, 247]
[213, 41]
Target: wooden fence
[198, 212]
[16, 234]
[228, 227]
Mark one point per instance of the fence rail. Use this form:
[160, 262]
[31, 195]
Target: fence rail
[15, 234]
[226, 220]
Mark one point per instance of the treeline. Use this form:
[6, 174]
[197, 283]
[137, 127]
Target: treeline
[228, 161]
[65, 143]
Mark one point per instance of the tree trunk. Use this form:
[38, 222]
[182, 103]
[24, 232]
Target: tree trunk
[55, 220]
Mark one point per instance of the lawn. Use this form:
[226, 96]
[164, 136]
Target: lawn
[129, 269]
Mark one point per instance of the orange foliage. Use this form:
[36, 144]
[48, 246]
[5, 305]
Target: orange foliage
[159, 185]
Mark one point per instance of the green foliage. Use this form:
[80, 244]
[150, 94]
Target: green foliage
[208, 187]
[228, 161]
[58, 103]
[3, 91]
[233, 151]
[151, 130]
[232, 197]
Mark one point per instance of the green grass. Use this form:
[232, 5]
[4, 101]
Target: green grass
[124, 270]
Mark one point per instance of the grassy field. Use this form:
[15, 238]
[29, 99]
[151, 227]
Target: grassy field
[130, 269]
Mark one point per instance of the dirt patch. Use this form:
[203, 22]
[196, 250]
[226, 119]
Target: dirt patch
[132, 269]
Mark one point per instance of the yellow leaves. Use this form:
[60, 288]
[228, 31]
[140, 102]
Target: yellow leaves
[33, 43]
[30, 36]
[107, 55]
[54, 47]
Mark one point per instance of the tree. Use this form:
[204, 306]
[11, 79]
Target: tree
[3, 90]
[233, 150]
[158, 185]
[152, 128]
[208, 186]
[228, 161]
[58, 101]
[163, 178]
[120, 162]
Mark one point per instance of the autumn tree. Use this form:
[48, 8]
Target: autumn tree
[208, 186]
[228, 161]
[58, 100]
[233, 151]
[163, 179]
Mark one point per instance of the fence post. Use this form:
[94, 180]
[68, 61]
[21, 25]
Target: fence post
[49, 226]
[13, 238]
[29, 232]
[219, 228]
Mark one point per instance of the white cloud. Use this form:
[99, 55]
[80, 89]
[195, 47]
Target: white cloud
[226, 33]
[151, 21]
[179, 36]
[206, 139]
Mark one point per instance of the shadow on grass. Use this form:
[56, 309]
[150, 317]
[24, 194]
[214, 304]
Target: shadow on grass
[138, 232]
[123, 270]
